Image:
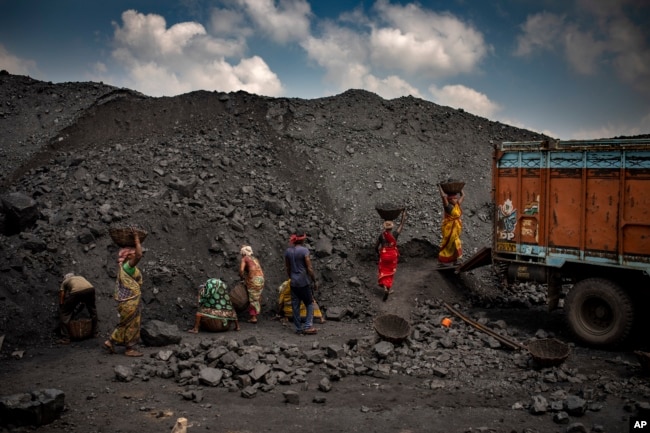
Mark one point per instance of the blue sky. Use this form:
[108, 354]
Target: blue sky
[572, 69]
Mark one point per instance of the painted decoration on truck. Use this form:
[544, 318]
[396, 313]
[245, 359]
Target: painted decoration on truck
[532, 207]
[507, 221]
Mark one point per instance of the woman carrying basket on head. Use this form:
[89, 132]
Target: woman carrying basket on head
[128, 296]
[388, 252]
[451, 249]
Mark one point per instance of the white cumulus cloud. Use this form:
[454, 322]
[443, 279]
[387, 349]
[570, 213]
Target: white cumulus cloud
[415, 40]
[399, 44]
[602, 35]
[286, 22]
[541, 31]
[459, 96]
[16, 65]
[166, 61]
[344, 56]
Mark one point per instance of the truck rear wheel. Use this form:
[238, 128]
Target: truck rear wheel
[599, 312]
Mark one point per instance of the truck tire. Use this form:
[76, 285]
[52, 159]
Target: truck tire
[599, 312]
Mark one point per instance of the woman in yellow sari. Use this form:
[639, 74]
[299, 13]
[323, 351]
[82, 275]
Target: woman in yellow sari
[451, 249]
[128, 297]
[285, 308]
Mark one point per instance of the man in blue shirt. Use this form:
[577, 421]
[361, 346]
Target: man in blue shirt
[297, 262]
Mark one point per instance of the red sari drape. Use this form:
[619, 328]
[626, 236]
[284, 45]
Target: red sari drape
[388, 258]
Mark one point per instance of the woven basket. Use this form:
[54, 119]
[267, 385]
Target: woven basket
[644, 360]
[389, 212]
[214, 325]
[239, 297]
[392, 328]
[452, 187]
[123, 236]
[548, 352]
[80, 329]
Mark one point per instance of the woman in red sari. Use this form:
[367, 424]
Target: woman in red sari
[388, 252]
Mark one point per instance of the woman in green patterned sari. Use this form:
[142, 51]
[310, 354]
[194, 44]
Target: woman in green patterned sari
[214, 303]
[128, 294]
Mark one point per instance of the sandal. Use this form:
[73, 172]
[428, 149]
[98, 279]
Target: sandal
[252, 320]
[310, 331]
[193, 331]
[64, 341]
[133, 353]
[108, 346]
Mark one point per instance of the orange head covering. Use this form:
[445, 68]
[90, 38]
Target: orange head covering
[123, 254]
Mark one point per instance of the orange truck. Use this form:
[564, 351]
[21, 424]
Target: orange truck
[576, 213]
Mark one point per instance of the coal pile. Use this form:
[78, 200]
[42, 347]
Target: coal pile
[206, 172]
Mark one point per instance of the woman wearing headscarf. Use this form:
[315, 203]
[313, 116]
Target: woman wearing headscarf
[251, 272]
[388, 252]
[128, 297]
[215, 303]
[451, 248]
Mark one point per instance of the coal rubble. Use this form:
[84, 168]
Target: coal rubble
[443, 358]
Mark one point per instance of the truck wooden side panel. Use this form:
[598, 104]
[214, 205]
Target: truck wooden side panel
[577, 201]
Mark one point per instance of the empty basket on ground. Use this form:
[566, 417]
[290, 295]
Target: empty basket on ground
[389, 212]
[452, 187]
[392, 327]
[123, 236]
[80, 329]
[548, 352]
[239, 297]
[214, 325]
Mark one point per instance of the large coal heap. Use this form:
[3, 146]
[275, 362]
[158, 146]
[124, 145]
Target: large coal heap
[205, 172]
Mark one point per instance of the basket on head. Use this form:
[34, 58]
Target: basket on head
[388, 211]
[392, 327]
[80, 329]
[548, 352]
[452, 187]
[239, 297]
[123, 236]
[214, 325]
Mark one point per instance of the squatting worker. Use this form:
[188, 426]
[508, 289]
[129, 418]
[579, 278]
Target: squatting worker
[75, 290]
[303, 281]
